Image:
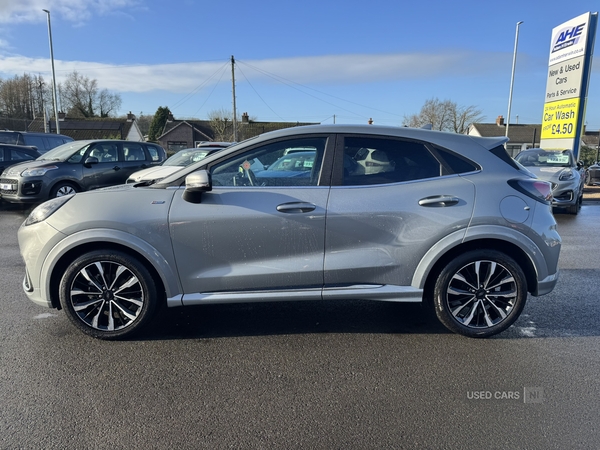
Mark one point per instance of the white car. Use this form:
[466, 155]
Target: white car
[179, 160]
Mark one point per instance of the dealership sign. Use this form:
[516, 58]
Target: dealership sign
[569, 68]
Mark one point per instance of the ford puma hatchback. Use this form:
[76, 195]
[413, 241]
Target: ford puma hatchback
[361, 212]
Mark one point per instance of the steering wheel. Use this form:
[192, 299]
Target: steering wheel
[251, 177]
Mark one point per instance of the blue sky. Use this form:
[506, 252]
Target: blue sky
[309, 61]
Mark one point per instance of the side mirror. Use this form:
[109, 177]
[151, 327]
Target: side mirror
[195, 184]
[90, 160]
[579, 164]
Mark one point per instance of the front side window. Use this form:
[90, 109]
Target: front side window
[369, 160]
[294, 162]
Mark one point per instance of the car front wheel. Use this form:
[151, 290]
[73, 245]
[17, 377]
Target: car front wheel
[61, 189]
[480, 293]
[108, 295]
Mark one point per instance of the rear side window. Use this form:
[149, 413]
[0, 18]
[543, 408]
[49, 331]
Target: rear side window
[133, 151]
[370, 160]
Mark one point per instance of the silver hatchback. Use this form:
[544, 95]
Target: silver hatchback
[375, 213]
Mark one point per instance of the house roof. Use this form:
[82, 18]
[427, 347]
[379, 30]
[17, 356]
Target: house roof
[201, 126]
[245, 129]
[517, 133]
[80, 129]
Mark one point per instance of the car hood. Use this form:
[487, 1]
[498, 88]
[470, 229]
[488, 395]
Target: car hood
[550, 173]
[154, 173]
[16, 169]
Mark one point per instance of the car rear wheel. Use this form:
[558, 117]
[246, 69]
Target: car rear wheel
[108, 295]
[63, 188]
[480, 293]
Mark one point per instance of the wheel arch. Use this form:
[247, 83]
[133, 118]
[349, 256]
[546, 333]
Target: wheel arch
[67, 253]
[70, 181]
[432, 263]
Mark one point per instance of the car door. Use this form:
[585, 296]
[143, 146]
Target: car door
[249, 239]
[394, 200]
[134, 158]
[108, 171]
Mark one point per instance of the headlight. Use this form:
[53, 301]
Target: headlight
[566, 175]
[37, 172]
[46, 209]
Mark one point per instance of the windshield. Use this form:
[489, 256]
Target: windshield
[186, 157]
[63, 152]
[544, 158]
[9, 137]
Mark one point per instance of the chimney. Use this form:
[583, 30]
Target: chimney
[500, 121]
[61, 116]
[245, 118]
[130, 117]
[371, 121]
[170, 117]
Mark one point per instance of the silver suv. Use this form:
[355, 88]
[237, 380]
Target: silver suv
[375, 213]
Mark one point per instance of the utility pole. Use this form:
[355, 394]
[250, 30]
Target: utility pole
[512, 77]
[53, 74]
[235, 137]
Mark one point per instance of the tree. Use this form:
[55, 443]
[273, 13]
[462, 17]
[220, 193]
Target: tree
[80, 96]
[144, 121]
[158, 123]
[24, 97]
[588, 155]
[221, 124]
[444, 116]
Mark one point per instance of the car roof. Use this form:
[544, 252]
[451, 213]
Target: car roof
[441, 138]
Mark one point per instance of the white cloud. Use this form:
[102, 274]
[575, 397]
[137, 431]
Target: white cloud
[77, 11]
[329, 69]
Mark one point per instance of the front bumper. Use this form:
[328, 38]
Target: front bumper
[20, 190]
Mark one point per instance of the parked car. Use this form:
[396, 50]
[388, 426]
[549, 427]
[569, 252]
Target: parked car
[592, 174]
[182, 158]
[457, 225]
[42, 142]
[13, 154]
[560, 168]
[75, 167]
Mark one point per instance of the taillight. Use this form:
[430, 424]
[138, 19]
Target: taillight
[537, 189]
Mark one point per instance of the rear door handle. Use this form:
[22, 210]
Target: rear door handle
[438, 201]
[296, 207]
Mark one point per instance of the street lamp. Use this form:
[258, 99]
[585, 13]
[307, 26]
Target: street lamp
[512, 77]
[53, 73]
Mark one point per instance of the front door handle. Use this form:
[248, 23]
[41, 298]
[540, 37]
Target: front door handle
[296, 207]
[116, 168]
[439, 201]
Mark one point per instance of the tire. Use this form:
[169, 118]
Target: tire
[480, 293]
[574, 209]
[63, 188]
[108, 295]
